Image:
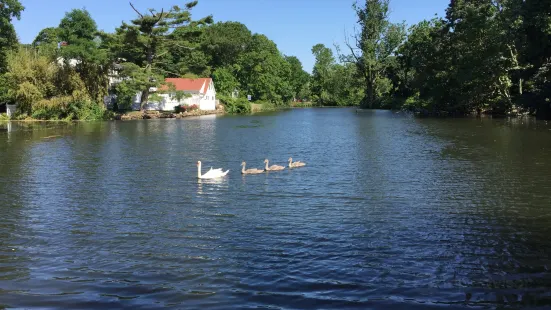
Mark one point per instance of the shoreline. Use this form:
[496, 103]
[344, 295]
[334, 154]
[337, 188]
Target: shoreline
[127, 116]
[137, 115]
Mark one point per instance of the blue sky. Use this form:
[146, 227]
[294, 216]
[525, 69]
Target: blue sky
[294, 25]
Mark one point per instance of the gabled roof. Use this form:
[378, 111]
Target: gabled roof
[199, 85]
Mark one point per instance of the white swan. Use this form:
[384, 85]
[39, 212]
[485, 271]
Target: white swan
[211, 174]
[295, 164]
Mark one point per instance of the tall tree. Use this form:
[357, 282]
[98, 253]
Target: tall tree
[264, 73]
[534, 46]
[47, 41]
[226, 42]
[190, 61]
[321, 74]
[299, 77]
[225, 81]
[375, 42]
[9, 9]
[49, 35]
[83, 52]
[146, 42]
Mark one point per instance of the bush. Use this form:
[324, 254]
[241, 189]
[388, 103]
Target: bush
[185, 108]
[68, 108]
[236, 105]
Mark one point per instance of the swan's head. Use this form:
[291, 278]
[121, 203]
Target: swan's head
[198, 163]
[266, 161]
[242, 163]
[290, 159]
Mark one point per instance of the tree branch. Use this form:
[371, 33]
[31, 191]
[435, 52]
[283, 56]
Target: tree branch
[181, 46]
[135, 9]
[160, 17]
[347, 42]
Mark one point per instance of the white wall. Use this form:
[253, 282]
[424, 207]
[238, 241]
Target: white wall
[208, 102]
[205, 102]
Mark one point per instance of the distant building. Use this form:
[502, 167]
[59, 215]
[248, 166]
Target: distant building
[202, 93]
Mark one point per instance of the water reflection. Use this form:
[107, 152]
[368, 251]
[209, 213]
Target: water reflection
[212, 185]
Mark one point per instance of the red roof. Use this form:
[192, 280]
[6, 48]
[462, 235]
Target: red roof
[198, 85]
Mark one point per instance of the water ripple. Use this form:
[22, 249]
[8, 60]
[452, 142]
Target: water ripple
[390, 212]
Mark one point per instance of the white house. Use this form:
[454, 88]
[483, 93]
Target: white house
[202, 92]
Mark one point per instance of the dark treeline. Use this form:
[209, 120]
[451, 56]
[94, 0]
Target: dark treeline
[489, 56]
[66, 71]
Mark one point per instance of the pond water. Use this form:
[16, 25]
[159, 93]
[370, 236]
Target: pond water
[391, 211]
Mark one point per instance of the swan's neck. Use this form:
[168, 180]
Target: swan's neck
[243, 169]
[290, 163]
[199, 171]
[267, 166]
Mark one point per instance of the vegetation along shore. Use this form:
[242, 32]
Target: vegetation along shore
[488, 57]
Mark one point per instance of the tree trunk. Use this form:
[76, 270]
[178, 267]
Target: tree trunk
[370, 92]
[143, 99]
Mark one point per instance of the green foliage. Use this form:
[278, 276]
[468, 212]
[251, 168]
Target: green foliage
[264, 73]
[225, 43]
[9, 9]
[141, 53]
[125, 92]
[84, 53]
[483, 56]
[45, 90]
[30, 78]
[225, 81]
[67, 108]
[334, 84]
[298, 77]
[47, 36]
[179, 95]
[146, 43]
[374, 46]
[236, 105]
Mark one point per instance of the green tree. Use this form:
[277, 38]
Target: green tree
[421, 72]
[49, 36]
[468, 61]
[225, 81]
[264, 73]
[188, 59]
[334, 83]
[374, 44]
[533, 43]
[83, 52]
[299, 77]
[9, 9]
[146, 43]
[226, 42]
[321, 74]
[47, 42]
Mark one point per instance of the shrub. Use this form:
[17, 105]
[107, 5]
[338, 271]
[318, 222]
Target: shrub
[68, 108]
[236, 105]
[185, 108]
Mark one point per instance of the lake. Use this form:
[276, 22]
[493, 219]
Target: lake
[391, 212]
